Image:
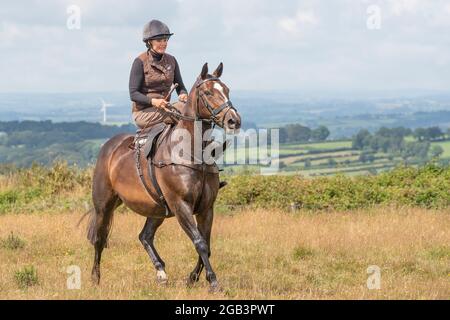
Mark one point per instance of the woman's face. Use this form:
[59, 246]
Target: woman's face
[159, 45]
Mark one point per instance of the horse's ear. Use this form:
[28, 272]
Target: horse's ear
[204, 72]
[218, 72]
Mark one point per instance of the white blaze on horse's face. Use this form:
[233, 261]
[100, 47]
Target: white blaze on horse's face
[219, 88]
[232, 121]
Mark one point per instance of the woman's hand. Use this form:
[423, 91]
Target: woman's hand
[183, 97]
[159, 103]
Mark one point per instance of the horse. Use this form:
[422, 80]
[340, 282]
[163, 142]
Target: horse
[189, 190]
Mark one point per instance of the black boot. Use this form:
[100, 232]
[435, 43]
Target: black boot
[222, 184]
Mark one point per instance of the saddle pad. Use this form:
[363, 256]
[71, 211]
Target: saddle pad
[153, 133]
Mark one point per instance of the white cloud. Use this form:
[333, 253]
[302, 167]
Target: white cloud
[263, 44]
[288, 24]
[295, 25]
[399, 7]
[307, 18]
[9, 34]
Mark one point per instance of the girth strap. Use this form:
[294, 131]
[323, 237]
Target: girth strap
[159, 198]
[151, 173]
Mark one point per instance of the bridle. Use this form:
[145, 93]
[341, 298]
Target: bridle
[213, 112]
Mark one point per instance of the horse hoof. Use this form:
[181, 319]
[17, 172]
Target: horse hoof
[95, 278]
[215, 288]
[161, 277]
[192, 279]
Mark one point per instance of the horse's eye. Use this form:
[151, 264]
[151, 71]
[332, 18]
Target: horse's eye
[208, 93]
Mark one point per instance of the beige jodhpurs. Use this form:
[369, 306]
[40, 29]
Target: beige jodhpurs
[150, 116]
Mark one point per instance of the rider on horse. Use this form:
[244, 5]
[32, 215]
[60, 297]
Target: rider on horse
[151, 78]
[146, 179]
[152, 75]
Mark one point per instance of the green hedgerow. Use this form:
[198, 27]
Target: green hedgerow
[427, 187]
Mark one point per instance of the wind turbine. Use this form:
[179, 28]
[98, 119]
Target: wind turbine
[104, 106]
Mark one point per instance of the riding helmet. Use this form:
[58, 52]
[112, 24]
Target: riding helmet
[155, 29]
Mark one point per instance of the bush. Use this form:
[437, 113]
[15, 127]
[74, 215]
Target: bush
[13, 242]
[39, 184]
[54, 179]
[301, 253]
[26, 277]
[8, 197]
[427, 187]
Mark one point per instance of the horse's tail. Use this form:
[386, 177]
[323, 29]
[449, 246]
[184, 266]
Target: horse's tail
[84, 216]
[106, 224]
[91, 226]
[105, 200]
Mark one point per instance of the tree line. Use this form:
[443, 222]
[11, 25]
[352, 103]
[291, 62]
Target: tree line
[298, 133]
[25, 142]
[392, 141]
[38, 134]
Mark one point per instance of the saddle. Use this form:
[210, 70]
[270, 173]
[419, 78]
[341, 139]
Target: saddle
[145, 143]
[147, 138]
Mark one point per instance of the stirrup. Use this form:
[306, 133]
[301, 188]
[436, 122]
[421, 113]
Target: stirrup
[139, 139]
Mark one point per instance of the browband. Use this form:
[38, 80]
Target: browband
[206, 80]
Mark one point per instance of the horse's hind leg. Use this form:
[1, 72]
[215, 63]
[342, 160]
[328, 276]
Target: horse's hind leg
[204, 225]
[146, 237]
[105, 202]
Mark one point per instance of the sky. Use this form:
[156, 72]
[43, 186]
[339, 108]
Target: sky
[309, 45]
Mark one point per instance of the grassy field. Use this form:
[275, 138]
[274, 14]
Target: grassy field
[257, 254]
[445, 145]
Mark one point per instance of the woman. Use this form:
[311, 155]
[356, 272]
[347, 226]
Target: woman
[152, 76]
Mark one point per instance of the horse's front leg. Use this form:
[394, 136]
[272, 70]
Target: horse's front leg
[204, 225]
[184, 214]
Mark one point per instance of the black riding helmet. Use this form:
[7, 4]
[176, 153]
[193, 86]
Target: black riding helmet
[155, 29]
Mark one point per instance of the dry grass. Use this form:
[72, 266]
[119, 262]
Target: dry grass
[256, 254]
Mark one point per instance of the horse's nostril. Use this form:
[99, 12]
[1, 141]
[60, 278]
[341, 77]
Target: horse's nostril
[231, 122]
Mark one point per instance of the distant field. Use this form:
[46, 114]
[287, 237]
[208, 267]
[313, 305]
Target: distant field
[446, 146]
[325, 255]
[332, 157]
[320, 145]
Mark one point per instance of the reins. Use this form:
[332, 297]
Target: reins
[213, 112]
